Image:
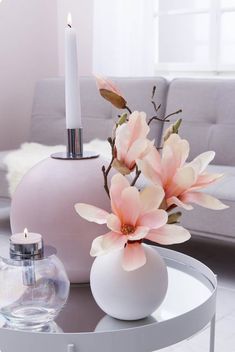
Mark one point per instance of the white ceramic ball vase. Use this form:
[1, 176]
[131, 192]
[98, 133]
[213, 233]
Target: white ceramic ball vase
[129, 295]
[44, 203]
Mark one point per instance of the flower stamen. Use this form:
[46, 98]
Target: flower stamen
[127, 229]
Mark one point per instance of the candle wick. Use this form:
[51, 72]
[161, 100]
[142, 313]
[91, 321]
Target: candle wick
[69, 25]
[25, 233]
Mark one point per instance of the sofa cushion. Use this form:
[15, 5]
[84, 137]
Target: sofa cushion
[224, 189]
[206, 222]
[208, 115]
[48, 115]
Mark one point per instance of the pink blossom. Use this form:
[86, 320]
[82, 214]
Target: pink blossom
[104, 83]
[180, 180]
[135, 216]
[110, 92]
[131, 142]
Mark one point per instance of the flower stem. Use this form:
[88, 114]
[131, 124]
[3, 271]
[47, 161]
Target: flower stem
[171, 207]
[106, 171]
[105, 174]
[137, 175]
[153, 91]
[155, 106]
[156, 109]
[173, 113]
[155, 118]
[166, 118]
[128, 109]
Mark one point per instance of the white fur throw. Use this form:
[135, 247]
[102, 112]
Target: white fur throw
[19, 161]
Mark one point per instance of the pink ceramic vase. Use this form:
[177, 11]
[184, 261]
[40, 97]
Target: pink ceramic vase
[44, 203]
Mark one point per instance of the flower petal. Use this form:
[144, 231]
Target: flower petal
[204, 200]
[131, 142]
[179, 148]
[169, 234]
[138, 126]
[176, 201]
[121, 167]
[174, 154]
[150, 166]
[104, 83]
[91, 213]
[133, 257]
[118, 184]
[119, 180]
[108, 242]
[139, 234]
[122, 141]
[183, 179]
[151, 198]
[130, 205]
[114, 223]
[149, 172]
[201, 161]
[154, 219]
[154, 158]
[204, 180]
[136, 151]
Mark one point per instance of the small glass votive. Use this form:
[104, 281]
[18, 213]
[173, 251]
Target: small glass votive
[33, 287]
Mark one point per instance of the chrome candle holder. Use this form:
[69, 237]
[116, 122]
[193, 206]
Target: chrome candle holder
[27, 254]
[75, 147]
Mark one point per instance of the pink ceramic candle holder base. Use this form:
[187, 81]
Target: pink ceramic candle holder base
[44, 203]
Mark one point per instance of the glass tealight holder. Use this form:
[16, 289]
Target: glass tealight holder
[32, 291]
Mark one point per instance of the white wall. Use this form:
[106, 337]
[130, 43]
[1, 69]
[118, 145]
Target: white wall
[28, 52]
[32, 48]
[124, 43]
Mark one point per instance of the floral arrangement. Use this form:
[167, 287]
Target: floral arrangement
[147, 214]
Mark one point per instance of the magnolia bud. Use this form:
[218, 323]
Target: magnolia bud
[174, 128]
[117, 100]
[122, 119]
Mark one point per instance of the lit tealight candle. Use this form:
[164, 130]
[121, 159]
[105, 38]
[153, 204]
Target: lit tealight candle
[26, 238]
[26, 245]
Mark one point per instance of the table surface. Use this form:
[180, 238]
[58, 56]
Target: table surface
[188, 306]
[88, 317]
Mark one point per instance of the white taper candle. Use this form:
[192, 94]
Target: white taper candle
[72, 89]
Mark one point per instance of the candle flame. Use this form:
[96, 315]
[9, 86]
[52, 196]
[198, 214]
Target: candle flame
[26, 232]
[69, 20]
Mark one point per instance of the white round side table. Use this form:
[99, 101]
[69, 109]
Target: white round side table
[190, 304]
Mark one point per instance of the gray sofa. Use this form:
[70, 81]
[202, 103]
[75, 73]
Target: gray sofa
[208, 123]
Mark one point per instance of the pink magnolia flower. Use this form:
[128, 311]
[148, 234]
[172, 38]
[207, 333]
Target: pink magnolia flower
[131, 142]
[181, 181]
[135, 216]
[110, 92]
